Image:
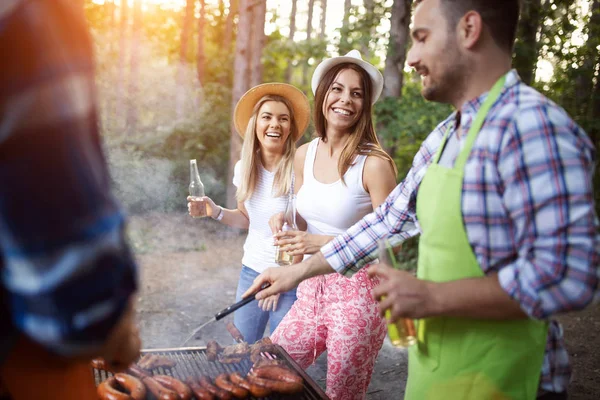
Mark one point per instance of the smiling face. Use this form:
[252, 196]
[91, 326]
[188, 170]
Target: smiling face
[344, 100]
[435, 54]
[273, 126]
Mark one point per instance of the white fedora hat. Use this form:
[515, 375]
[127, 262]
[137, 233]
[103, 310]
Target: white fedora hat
[352, 57]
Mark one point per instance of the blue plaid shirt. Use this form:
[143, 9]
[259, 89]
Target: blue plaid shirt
[528, 209]
[66, 271]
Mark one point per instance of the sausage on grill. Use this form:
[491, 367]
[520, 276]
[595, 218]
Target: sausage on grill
[254, 389]
[216, 391]
[276, 386]
[135, 387]
[108, 390]
[200, 392]
[158, 390]
[137, 371]
[224, 383]
[183, 390]
[278, 373]
[234, 332]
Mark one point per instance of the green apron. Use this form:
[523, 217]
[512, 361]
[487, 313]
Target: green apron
[462, 358]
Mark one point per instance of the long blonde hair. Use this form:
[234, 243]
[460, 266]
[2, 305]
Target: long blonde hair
[250, 154]
[363, 139]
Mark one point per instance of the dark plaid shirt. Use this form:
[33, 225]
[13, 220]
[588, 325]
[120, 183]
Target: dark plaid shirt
[66, 270]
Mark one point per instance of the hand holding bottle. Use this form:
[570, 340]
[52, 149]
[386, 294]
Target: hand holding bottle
[199, 207]
[297, 243]
[289, 224]
[197, 191]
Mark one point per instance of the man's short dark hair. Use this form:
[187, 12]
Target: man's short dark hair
[500, 16]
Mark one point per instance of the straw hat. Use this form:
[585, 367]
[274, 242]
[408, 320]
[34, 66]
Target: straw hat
[352, 57]
[244, 107]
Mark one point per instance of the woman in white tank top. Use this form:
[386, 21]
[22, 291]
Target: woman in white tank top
[271, 118]
[341, 176]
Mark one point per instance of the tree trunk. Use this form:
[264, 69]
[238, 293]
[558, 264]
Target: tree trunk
[346, 19]
[309, 28]
[228, 35]
[109, 100]
[288, 69]
[344, 45]
[201, 57]
[393, 74]
[526, 48]
[259, 10]
[121, 79]
[323, 22]
[370, 10]
[183, 52]
[132, 112]
[241, 83]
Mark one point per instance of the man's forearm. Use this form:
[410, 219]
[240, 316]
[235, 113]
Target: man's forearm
[473, 298]
[316, 265]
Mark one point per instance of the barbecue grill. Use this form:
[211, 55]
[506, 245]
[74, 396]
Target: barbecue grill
[191, 361]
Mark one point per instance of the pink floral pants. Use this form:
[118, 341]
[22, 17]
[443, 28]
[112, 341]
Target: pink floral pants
[336, 314]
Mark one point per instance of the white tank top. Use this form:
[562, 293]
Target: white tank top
[332, 208]
[259, 251]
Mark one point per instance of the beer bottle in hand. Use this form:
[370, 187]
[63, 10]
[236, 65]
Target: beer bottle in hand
[289, 224]
[197, 188]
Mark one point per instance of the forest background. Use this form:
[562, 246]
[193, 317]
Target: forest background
[170, 71]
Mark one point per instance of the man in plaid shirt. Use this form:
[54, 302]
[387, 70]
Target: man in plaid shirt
[67, 273]
[525, 201]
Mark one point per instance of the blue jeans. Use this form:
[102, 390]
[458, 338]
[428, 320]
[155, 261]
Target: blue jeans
[252, 320]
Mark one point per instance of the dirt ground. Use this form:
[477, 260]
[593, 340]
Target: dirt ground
[189, 271]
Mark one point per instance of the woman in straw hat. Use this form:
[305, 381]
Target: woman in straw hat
[270, 117]
[346, 169]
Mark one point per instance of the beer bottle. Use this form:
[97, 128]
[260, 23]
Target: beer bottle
[197, 188]
[289, 224]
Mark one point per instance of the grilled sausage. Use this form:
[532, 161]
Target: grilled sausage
[235, 332]
[254, 389]
[108, 390]
[136, 371]
[199, 391]
[135, 387]
[224, 383]
[276, 386]
[278, 373]
[183, 390]
[216, 391]
[158, 390]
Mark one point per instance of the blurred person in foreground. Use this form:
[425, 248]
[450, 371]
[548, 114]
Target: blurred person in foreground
[270, 118]
[67, 274]
[341, 175]
[502, 194]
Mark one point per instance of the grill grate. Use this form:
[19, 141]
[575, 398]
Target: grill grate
[192, 361]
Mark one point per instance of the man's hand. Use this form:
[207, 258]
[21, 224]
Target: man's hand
[478, 297]
[401, 293]
[281, 279]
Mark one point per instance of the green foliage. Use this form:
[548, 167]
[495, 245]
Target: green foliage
[403, 124]
[362, 32]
